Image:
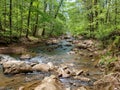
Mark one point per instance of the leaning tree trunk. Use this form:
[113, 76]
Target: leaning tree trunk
[56, 14]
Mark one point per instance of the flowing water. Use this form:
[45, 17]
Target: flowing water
[57, 54]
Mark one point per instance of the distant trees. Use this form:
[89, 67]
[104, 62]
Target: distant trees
[56, 13]
[31, 17]
[92, 18]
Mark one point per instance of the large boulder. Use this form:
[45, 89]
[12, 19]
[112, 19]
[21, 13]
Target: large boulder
[41, 67]
[50, 83]
[14, 67]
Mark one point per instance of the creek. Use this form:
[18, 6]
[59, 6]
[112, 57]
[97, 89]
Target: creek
[57, 54]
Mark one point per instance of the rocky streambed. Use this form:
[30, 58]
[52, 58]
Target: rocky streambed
[64, 63]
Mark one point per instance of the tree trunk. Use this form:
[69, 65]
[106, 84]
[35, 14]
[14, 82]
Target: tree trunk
[43, 32]
[5, 15]
[10, 20]
[108, 12]
[60, 4]
[21, 14]
[45, 7]
[36, 26]
[96, 14]
[36, 23]
[116, 9]
[1, 26]
[28, 20]
[91, 18]
[17, 15]
[57, 11]
[91, 24]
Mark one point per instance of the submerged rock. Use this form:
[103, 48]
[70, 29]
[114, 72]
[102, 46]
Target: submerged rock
[50, 83]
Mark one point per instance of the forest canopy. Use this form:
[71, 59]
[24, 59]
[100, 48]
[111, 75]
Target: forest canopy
[91, 18]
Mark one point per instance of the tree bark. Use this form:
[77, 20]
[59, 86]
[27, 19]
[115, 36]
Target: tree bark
[45, 7]
[108, 12]
[96, 14]
[5, 9]
[116, 9]
[36, 23]
[21, 14]
[60, 4]
[1, 26]
[10, 20]
[17, 15]
[28, 20]
[57, 11]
